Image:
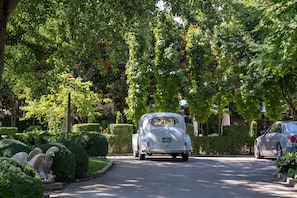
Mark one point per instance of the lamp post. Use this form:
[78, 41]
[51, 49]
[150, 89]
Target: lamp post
[68, 116]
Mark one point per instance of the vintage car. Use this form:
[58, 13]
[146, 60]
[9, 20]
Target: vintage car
[161, 133]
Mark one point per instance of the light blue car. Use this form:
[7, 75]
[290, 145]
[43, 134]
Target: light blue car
[279, 138]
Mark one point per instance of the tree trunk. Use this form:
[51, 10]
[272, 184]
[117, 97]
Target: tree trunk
[6, 8]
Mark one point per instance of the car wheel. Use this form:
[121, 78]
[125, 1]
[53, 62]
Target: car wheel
[141, 156]
[279, 151]
[257, 152]
[135, 153]
[185, 157]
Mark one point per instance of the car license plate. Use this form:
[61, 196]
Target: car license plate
[166, 139]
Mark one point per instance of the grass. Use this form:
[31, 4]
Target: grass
[96, 164]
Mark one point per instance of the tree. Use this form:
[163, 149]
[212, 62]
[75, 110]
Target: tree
[50, 109]
[138, 71]
[165, 64]
[6, 8]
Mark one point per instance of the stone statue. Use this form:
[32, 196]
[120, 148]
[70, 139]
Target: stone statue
[40, 162]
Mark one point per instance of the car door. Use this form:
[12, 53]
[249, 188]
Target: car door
[272, 138]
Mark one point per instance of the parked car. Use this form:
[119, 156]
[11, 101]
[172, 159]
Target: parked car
[161, 133]
[279, 138]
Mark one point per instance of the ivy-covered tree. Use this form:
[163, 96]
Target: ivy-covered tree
[198, 89]
[166, 68]
[138, 71]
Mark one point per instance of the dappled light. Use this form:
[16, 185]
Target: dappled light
[162, 177]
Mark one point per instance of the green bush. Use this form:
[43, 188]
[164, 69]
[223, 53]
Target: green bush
[236, 131]
[121, 139]
[9, 147]
[8, 131]
[93, 142]
[81, 157]
[34, 137]
[64, 162]
[86, 127]
[220, 145]
[19, 180]
[286, 162]
[33, 128]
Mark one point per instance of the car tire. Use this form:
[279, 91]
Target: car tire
[279, 151]
[185, 157]
[257, 152]
[141, 156]
[135, 153]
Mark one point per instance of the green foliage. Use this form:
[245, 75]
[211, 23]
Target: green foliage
[9, 147]
[8, 130]
[138, 71]
[287, 162]
[86, 127]
[64, 162]
[36, 137]
[236, 131]
[221, 145]
[119, 118]
[33, 128]
[165, 64]
[52, 107]
[19, 180]
[120, 140]
[254, 129]
[231, 144]
[94, 143]
[198, 90]
[81, 157]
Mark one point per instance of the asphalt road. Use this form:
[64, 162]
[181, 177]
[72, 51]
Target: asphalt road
[204, 177]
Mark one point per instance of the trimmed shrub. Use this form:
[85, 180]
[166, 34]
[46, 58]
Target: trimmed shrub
[9, 147]
[121, 139]
[288, 161]
[64, 162]
[8, 131]
[93, 142]
[33, 128]
[19, 180]
[33, 138]
[86, 127]
[81, 157]
[236, 131]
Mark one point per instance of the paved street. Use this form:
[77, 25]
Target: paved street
[205, 177]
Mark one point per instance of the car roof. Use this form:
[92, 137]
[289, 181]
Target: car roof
[161, 114]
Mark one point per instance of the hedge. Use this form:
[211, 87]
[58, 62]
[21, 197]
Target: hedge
[121, 138]
[86, 127]
[10, 131]
[232, 143]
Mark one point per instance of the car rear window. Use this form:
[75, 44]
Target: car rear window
[164, 121]
[292, 127]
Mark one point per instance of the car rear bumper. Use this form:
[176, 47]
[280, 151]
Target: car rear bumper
[164, 151]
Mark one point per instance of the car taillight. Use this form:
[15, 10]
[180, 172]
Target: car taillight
[292, 138]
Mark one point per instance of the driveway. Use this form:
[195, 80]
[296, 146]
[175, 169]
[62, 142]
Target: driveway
[203, 177]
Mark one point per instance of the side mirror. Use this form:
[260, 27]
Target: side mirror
[262, 132]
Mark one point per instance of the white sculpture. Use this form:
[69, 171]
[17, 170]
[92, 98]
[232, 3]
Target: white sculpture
[40, 162]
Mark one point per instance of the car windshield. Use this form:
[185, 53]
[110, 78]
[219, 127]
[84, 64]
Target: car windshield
[163, 121]
[292, 127]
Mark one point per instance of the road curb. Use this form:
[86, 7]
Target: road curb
[287, 180]
[105, 169]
